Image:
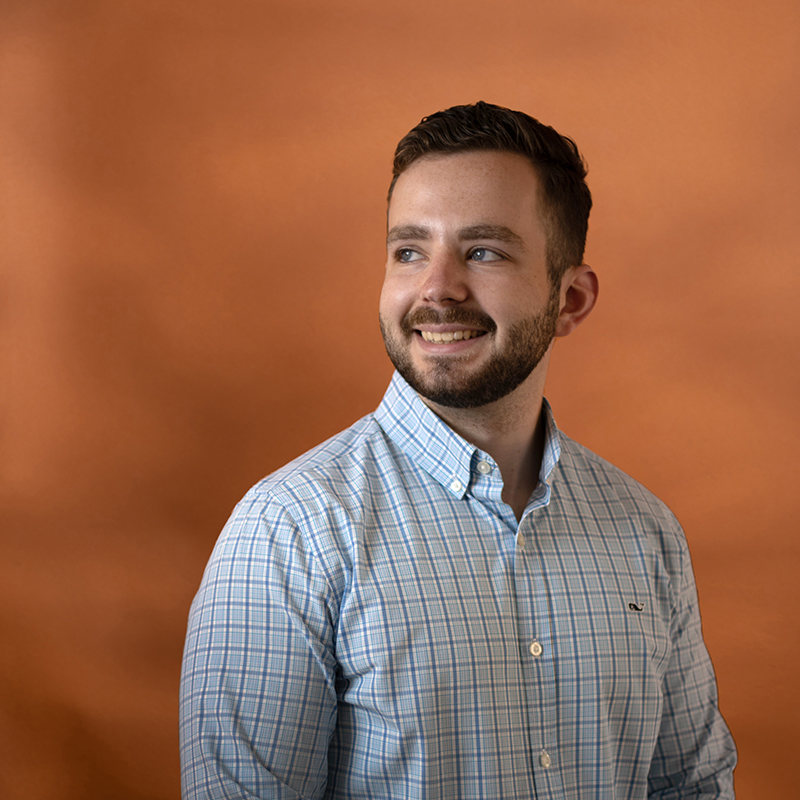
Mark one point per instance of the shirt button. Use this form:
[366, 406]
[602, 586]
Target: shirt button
[484, 467]
[520, 540]
[536, 649]
[456, 486]
[544, 759]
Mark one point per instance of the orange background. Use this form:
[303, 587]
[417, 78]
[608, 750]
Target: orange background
[191, 240]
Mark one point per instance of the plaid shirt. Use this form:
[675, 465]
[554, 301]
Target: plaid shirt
[374, 623]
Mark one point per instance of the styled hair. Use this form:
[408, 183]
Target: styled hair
[564, 196]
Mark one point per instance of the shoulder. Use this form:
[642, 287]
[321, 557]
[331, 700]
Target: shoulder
[314, 506]
[338, 467]
[619, 501]
[596, 475]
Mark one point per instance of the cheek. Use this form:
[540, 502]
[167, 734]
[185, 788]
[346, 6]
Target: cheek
[396, 297]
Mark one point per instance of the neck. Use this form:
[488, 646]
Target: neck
[512, 432]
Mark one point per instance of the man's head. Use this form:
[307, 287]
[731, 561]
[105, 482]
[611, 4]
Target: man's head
[565, 200]
[477, 283]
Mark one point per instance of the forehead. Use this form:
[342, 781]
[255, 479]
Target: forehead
[483, 186]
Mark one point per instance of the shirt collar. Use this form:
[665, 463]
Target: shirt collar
[437, 448]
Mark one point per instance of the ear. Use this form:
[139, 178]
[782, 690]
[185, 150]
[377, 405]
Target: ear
[579, 288]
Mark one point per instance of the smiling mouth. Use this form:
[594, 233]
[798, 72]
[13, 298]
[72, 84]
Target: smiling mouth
[449, 336]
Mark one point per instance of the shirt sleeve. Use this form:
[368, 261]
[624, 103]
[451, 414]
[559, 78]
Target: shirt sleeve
[258, 699]
[695, 754]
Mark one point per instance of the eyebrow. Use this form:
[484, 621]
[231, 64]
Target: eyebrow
[400, 232]
[499, 233]
[471, 233]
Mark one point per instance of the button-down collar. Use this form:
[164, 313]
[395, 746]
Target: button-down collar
[447, 457]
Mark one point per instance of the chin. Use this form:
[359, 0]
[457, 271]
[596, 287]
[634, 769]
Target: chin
[477, 388]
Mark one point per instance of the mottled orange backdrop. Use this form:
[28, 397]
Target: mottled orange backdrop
[191, 242]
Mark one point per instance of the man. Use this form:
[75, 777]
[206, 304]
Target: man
[452, 599]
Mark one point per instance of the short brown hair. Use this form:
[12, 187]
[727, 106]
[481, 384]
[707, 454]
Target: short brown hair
[565, 197]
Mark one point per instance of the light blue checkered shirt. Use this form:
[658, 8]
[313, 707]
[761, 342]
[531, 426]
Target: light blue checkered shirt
[374, 623]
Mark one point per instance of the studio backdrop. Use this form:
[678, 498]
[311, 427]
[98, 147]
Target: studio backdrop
[192, 223]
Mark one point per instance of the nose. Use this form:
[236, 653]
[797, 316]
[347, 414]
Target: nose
[444, 280]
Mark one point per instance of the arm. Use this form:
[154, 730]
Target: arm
[695, 754]
[258, 701]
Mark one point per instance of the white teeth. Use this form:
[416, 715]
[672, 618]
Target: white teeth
[431, 336]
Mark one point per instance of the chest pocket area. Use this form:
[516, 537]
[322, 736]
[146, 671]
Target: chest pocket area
[613, 642]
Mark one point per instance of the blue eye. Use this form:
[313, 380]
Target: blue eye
[406, 254]
[484, 254]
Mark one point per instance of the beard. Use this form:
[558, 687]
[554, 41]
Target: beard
[446, 381]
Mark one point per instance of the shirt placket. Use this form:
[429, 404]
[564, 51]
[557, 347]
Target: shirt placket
[538, 655]
[534, 622]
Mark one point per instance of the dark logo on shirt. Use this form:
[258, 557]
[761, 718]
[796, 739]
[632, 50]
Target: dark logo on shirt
[635, 606]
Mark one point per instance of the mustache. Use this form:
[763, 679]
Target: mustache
[470, 318]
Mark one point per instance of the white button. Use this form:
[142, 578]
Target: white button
[484, 467]
[520, 540]
[544, 759]
[536, 649]
[456, 486]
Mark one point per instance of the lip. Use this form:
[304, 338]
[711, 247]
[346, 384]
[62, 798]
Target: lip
[451, 347]
[439, 337]
[447, 328]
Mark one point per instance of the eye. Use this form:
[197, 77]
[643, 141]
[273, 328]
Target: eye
[484, 255]
[406, 254]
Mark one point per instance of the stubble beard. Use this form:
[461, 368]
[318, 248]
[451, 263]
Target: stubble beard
[446, 383]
